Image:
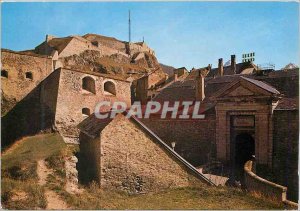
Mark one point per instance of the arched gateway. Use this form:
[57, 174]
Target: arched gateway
[244, 149]
[244, 126]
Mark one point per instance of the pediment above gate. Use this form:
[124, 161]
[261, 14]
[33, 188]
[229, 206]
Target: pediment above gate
[240, 91]
[245, 87]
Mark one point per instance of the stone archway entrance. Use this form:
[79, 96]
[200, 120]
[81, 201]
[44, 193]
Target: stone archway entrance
[242, 144]
[244, 149]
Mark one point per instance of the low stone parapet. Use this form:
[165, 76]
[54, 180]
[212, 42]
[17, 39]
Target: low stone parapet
[265, 188]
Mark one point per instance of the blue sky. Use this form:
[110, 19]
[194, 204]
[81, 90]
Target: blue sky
[191, 34]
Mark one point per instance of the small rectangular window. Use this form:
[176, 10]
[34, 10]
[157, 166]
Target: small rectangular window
[29, 75]
[4, 73]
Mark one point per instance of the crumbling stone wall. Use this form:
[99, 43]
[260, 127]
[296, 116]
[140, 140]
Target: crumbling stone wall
[72, 98]
[78, 45]
[109, 42]
[140, 47]
[195, 139]
[132, 161]
[16, 86]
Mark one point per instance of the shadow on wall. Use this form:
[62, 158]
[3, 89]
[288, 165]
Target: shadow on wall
[87, 165]
[28, 117]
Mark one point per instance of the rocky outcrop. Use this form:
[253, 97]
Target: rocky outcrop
[115, 64]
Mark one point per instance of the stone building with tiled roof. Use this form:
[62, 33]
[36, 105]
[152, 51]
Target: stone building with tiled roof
[247, 113]
[237, 107]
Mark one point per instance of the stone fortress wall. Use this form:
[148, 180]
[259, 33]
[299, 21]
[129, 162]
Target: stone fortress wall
[140, 47]
[72, 98]
[60, 95]
[195, 139]
[21, 73]
[105, 45]
[62, 91]
[76, 46]
[286, 150]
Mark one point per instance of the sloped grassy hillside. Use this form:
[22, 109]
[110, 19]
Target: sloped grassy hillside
[21, 188]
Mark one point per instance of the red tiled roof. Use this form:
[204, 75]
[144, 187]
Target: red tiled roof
[262, 85]
[92, 126]
[288, 104]
[285, 82]
[228, 71]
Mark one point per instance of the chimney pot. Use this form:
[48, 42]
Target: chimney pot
[220, 67]
[233, 64]
[200, 94]
[49, 37]
[175, 77]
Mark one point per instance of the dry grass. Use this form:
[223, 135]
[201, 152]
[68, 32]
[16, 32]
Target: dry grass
[51, 148]
[180, 198]
[32, 194]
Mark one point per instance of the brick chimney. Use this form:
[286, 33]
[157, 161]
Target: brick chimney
[49, 37]
[175, 76]
[233, 64]
[220, 67]
[200, 95]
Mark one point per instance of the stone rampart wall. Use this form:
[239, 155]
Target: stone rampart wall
[25, 72]
[72, 98]
[195, 139]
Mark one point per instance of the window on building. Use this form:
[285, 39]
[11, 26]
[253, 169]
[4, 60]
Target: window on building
[4, 73]
[109, 88]
[29, 75]
[86, 112]
[88, 84]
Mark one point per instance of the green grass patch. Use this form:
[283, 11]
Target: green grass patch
[32, 149]
[19, 182]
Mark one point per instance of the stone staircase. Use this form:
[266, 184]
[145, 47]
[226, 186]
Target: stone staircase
[216, 179]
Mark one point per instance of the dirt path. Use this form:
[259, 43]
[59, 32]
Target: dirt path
[53, 200]
[42, 172]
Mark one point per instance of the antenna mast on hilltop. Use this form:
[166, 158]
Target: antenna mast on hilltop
[129, 26]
